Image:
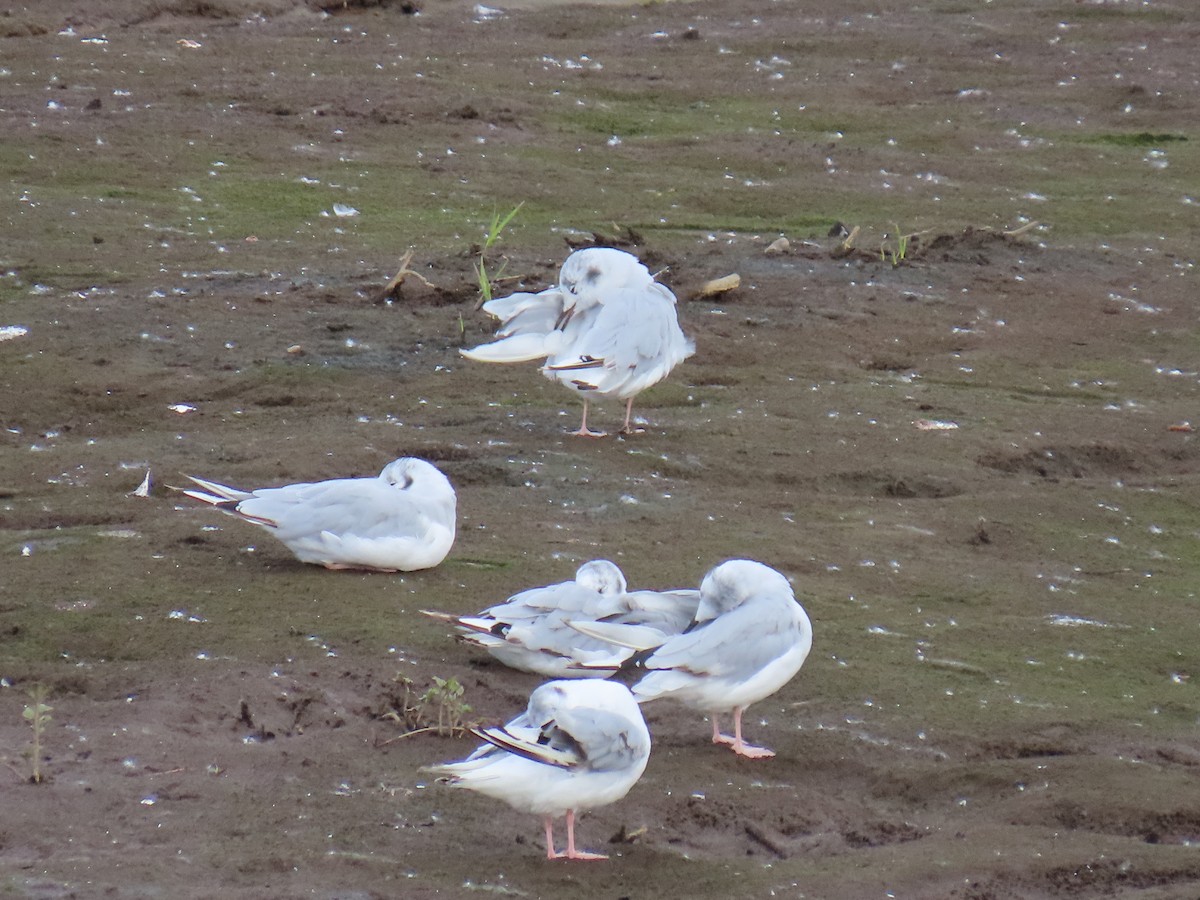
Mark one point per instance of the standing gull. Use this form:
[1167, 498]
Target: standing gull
[534, 631]
[607, 329]
[749, 638]
[579, 745]
[401, 520]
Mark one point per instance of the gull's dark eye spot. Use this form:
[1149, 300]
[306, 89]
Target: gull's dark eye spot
[592, 276]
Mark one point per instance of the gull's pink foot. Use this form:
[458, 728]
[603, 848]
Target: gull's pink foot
[578, 854]
[584, 431]
[735, 742]
[571, 853]
[751, 752]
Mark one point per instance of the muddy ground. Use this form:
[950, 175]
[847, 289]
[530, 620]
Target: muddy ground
[1001, 701]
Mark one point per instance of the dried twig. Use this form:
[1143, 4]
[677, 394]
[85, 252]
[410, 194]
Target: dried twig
[846, 247]
[1028, 226]
[771, 842]
[392, 287]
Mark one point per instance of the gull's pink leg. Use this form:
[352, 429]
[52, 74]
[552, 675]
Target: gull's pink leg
[627, 428]
[736, 744]
[740, 747]
[549, 823]
[572, 853]
[719, 738]
[583, 429]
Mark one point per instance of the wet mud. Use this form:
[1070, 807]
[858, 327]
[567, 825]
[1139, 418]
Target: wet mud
[955, 409]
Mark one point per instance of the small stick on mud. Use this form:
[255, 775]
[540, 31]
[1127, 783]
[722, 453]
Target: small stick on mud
[846, 247]
[392, 288]
[955, 665]
[1016, 232]
[625, 836]
[771, 842]
[428, 729]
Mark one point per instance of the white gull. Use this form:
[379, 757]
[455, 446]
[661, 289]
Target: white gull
[401, 520]
[749, 638]
[579, 745]
[534, 630]
[607, 329]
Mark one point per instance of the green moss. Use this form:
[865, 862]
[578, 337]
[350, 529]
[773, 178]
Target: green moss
[267, 206]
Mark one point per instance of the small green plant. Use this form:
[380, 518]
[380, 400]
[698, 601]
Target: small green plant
[37, 714]
[416, 712]
[490, 239]
[447, 693]
[898, 252]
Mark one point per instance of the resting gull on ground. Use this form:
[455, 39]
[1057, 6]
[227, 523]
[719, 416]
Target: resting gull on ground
[533, 630]
[607, 329]
[749, 638]
[401, 520]
[579, 745]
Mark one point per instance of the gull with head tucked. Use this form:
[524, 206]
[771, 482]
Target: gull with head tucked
[399, 521]
[748, 639]
[579, 745]
[534, 630]
[607, 329]
[529, 630]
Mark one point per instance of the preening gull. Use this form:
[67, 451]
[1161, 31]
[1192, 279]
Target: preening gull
[607, 329]
[749, 637]
[579, 745]
[534, 630]
[401, 520]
